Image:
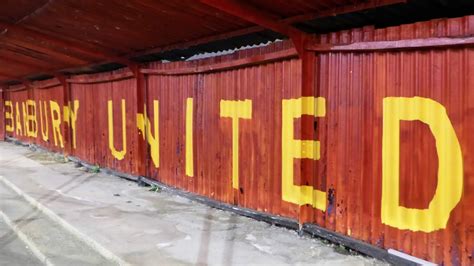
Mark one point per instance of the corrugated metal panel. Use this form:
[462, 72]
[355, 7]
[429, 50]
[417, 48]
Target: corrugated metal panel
[2, 116]
[40, 126]
[93, 123]
[355, 85]
[17, 100]
[212, 134]
[45, 99]
[351, 132]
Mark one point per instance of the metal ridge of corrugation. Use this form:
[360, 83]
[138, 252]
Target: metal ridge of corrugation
[393, 159]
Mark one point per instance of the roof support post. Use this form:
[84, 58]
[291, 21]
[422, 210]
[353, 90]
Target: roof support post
[30, 96]
[309, 64]
[29, 88]
[309, 130]
[142, 160]
[66, 103]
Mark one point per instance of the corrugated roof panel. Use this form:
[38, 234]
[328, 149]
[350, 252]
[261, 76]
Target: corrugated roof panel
[174, 30]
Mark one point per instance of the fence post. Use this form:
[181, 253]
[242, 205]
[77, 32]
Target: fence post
[66, 100]
[142, 158]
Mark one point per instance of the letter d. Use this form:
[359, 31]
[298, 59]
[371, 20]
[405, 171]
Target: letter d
[450, 172]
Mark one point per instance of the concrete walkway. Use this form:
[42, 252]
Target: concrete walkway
[69, 216]
[12, 250]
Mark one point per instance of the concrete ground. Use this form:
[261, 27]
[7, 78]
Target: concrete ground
[12, 250]
[64, 215]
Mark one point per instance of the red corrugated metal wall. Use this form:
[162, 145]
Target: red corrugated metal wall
[2, 117]
[46, 132]
[350, 170]
[40, 128]
[355, 85]
[17, 100]
[260, 137]
[92, 131]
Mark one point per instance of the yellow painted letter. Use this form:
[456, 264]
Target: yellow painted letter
[9, 127]
[300, 149]
[119, 155]
[189, 138]
[25, 116]
[56, 123]
[44, 124]
[144, 125]
[70, 117]
[450, 166]
[236, 110]
[30, 119]
[19, 130]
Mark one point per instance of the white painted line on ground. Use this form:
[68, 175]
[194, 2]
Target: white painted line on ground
[411, 258]
[34, 249]
[53, 216]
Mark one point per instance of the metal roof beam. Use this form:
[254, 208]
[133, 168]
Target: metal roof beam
[26, 83]
[65, 43]
[251, 14]
[21, 63]
[346, 9]
[9, 76]
[261, 18]
[290, 20]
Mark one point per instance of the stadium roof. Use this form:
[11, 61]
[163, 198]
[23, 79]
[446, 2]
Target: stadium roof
[42, 37]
